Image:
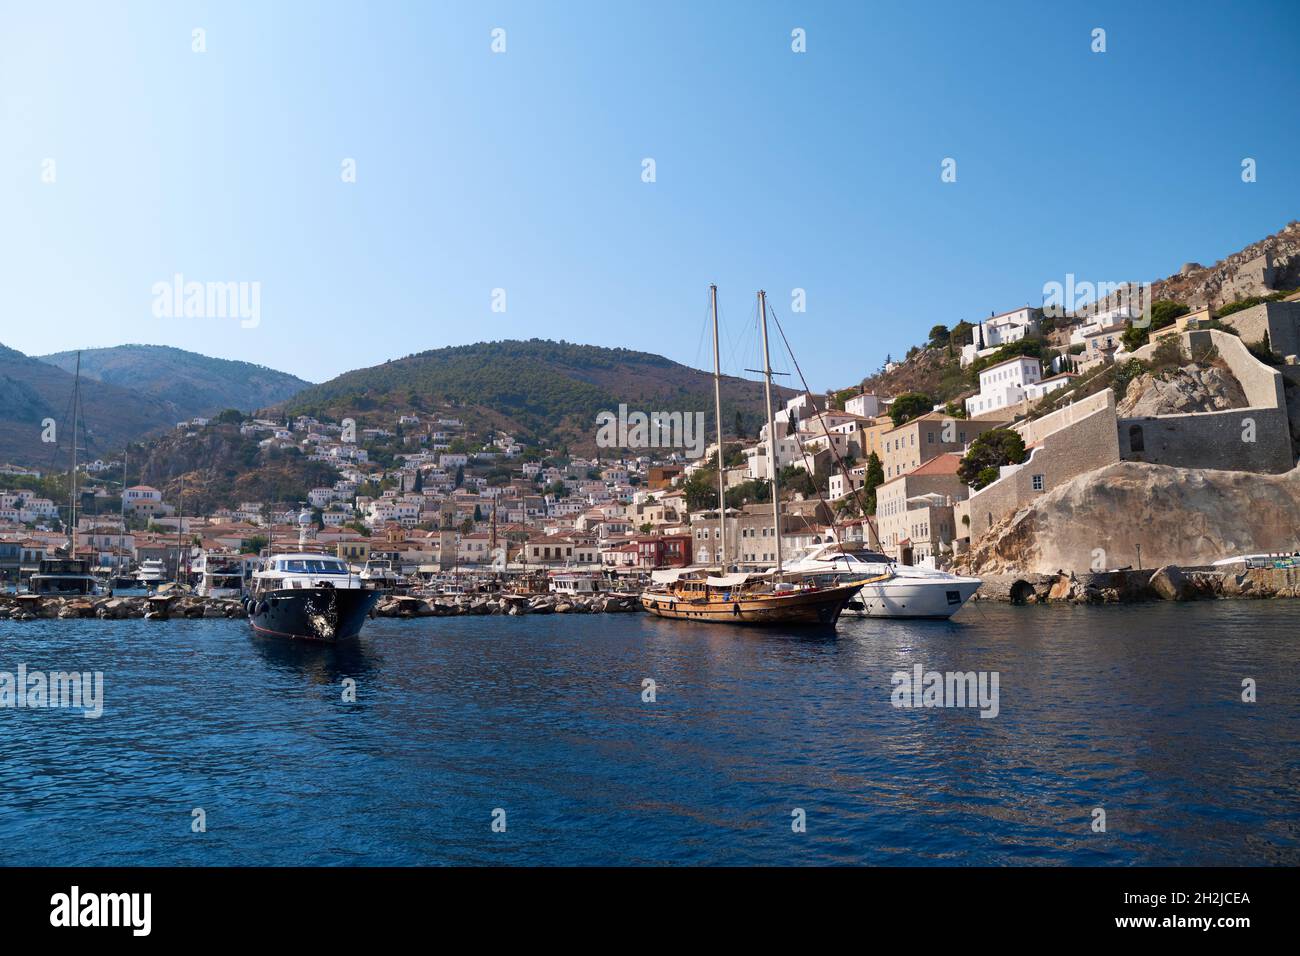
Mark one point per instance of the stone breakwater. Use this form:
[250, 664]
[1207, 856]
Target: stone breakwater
[24, 607]
[1169, 583]
[410, 606]
[30, 607]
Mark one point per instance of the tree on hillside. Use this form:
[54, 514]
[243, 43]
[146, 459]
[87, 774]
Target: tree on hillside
[961, 334]
[740, 427]
[908, 406]
[939, 335]
[1164, 312]
[701, 489]
[989, 452]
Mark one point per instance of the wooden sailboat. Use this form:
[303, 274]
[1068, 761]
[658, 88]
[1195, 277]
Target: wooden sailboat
[700, 594]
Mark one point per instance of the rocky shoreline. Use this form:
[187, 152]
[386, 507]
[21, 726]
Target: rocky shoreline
[1169, 583]
[25, 607]
[508, 604]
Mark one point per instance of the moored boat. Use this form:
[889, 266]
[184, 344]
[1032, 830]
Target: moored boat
[62, 576]
[151, 573]
[309, 596]
[743, 598]
[891, 590]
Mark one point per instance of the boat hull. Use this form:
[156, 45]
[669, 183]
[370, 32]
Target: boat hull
[904, 598]
[821, 607]
[312, 614]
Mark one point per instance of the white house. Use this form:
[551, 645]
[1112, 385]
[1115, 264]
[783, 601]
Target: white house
[1036, 390]
[999, 330]
[866, 405]
[1004, 384]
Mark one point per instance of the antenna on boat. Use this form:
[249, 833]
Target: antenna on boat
[717, 411]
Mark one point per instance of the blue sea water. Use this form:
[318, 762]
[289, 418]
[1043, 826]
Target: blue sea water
[1136, 710]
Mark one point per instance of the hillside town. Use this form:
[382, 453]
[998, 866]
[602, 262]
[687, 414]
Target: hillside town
[901, 474]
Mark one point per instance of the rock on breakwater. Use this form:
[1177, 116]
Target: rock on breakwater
[30, 607]
[1168, 583]
[509, 604]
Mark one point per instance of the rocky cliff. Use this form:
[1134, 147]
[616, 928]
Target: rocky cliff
[1183, 516]
[1269, 265]
[1192, 388]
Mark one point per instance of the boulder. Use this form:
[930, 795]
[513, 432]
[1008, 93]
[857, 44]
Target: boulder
[1170, 584]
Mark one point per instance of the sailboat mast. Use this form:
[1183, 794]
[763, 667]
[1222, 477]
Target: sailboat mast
[121, 538]
[771, 432]
[180, 526]
[72, 504]
[717, 411]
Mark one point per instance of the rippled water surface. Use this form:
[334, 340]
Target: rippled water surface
[1136, 710]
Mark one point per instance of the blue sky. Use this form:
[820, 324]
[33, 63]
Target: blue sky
[523, 170]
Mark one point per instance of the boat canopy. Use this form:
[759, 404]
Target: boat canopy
[728, 580]
[667, 575]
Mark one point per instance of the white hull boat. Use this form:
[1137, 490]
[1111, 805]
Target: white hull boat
[907, 592]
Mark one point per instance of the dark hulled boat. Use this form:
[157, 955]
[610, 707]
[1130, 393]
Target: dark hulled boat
[310, 596]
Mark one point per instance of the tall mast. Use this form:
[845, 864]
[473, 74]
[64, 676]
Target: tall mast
[121, 538]
[180, 525]
[771, 432]
[717, 411]
[72, 503]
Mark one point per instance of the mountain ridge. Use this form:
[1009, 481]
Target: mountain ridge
[190, 383]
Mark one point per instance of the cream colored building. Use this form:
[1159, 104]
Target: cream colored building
[914, 512]
[911, 445]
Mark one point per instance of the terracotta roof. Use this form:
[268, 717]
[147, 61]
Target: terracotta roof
[945, 464]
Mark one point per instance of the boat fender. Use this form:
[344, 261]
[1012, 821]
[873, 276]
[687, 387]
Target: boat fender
[263, 607]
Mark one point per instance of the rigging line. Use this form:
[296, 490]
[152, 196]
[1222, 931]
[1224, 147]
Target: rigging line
[831, 442]
[699, 345]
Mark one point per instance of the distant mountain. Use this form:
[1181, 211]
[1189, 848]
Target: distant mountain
[32, 391]
[188, 383]
[547, 391]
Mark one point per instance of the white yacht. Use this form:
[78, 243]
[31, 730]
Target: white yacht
[221, 575]
[151, 573]
[908, 591]
[382, 576]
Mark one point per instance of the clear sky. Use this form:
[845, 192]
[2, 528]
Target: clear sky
[523, 170]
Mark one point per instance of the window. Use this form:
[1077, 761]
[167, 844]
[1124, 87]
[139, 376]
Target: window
[1136, 442]
[1037, 482]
